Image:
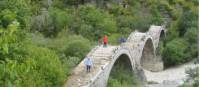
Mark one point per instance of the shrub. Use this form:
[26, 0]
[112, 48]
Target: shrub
[165, 5]
[61, 18]
[151, 2]
[51, 21]
[187, 20]
[191, 35]
[64, 44]
[156, 17]
[21, 9]
[78, 47]
[9, 27]
[173, 31]
[114, 38]
[127, 79]
[42, 23]
[176, 1]
[97, 21]
[196, 2]
[117, 10]
[193, 75]
[140, 20]
[69, 63]
[117, 83]
[7, 17]
[193, 50]
[33, 66]
[175, 13]
[126, 21]
[142, 23]
[174, 52]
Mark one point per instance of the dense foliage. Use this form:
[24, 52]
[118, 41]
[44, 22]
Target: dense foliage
[182, 35]
[42, 40]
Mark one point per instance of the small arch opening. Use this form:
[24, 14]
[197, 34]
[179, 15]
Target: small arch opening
[162, 35]
[161, 43]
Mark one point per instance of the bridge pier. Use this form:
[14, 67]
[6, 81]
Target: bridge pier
[154, 64]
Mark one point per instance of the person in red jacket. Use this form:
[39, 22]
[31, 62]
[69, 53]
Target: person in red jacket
[105, 41]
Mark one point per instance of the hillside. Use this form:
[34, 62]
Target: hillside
[41, 41]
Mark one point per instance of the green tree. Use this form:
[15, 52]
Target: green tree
[97, 21]
[51, 21]
[191, 35]
[32, 66]
[175, 52]
[187, 20]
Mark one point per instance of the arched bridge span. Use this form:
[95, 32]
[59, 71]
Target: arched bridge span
[139, 52]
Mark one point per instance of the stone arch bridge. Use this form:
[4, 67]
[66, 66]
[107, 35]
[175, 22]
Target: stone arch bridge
[139, 52]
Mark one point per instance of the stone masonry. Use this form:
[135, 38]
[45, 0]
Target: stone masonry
[140, 49]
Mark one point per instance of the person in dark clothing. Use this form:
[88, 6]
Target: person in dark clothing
[99, 41]
[122, 40]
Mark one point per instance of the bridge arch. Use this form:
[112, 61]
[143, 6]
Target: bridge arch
[122, 53]
[122, 69]
[124, 59]
[147, 59]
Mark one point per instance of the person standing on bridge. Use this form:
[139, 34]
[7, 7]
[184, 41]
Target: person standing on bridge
[105, 41]
[99, 40]
[88, 63]
[122, 40]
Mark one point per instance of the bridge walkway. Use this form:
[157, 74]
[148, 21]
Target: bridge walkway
[100, 57]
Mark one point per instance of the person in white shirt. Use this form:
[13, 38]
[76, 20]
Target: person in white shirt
[88, 63]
